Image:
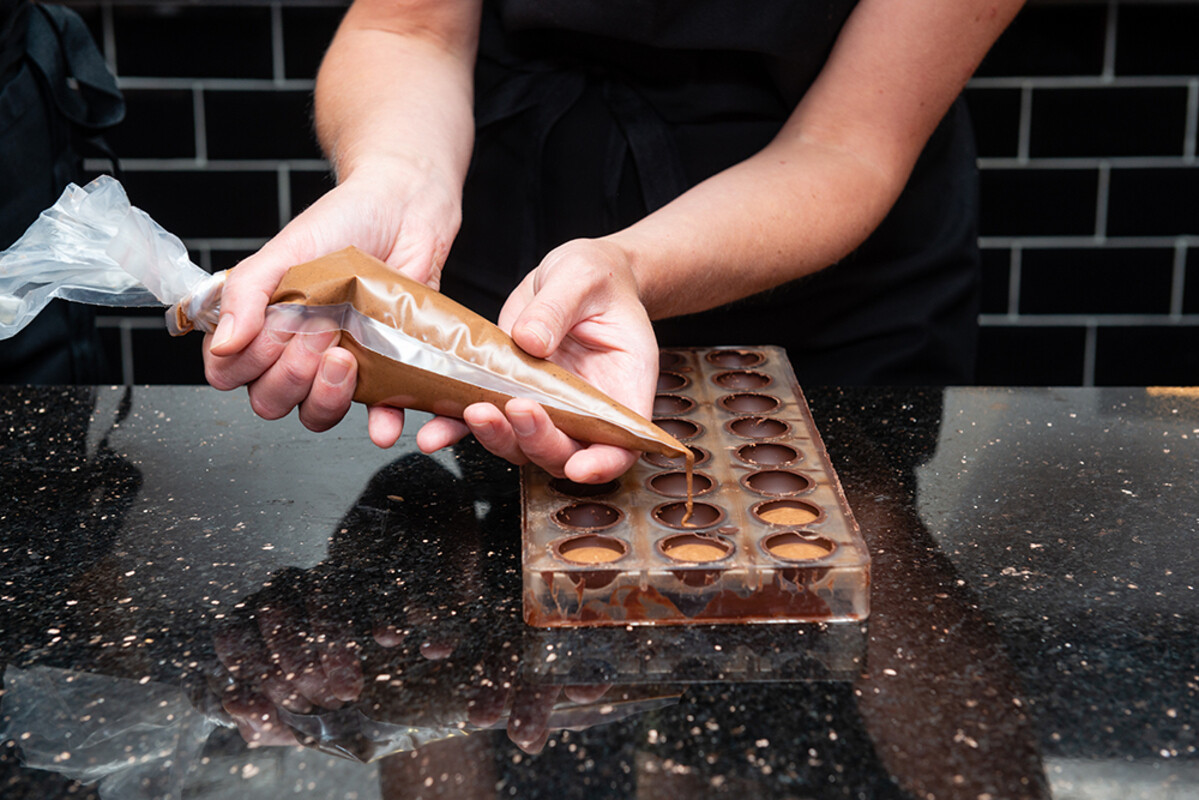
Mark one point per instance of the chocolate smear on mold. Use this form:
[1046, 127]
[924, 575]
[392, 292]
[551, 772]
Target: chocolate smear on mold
[418, 349]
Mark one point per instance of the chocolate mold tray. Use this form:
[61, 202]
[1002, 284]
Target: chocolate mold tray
[770, 538]
[682, 654]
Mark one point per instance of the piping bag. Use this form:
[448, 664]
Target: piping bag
[415, 347]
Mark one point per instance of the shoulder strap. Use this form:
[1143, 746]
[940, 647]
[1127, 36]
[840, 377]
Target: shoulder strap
[61, 48]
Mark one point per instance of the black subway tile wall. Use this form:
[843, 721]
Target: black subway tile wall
[1086, 114]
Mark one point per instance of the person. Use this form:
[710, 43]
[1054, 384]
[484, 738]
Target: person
[801, 174]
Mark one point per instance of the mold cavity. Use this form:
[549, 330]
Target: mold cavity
[669, 360]
[777, 482]
[735, 359]
[768, 455]
[668, 405]
[674, 484]
[695, 548]
[750, 403]
[703, 515]
[758, 427]
[591, 548]
[572, 489]
[671, 381]
[787, 512]
[741, 380]
[675, 462]
[793, 546]
[678, 428]
[587, 515]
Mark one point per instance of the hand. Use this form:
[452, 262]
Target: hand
[406, 216]
[580, 309]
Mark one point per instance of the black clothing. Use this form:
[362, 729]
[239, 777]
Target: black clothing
[592, 114]
[56, 95]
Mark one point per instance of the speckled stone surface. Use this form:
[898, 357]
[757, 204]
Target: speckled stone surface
[177, 576]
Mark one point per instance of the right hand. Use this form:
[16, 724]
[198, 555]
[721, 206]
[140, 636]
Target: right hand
[404, 214]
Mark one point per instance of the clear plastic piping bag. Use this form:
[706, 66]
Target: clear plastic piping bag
[415, 347]
[93, 247]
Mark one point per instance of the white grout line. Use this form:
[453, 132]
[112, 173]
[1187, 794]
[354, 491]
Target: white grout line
[1102, 194]
[1079, 82]
[278, 69]
[110, 37]
[1085, 162]
[1192, 127]
[200, 120]
[1078, 320]
[1109, 44]
[1025, 130]
[1015, 274]
[126, 351]
[219, 84]
[215, 165]
[283, 184]
[1088, 355]
[1059, 242]
[1178, 284]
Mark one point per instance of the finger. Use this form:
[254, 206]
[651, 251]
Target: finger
[337, 648]
[531, 709]
[485, 705]
[288, 381]
[599, 463]
[552, 310]
[259, 725]
[440, 432]
[537, 436]
[389, 635]
[494, 431]
[248, 289]
[332, 390]
[384, 425]
[230, 372]
[586, 693]
[437, 649]
[292, 651]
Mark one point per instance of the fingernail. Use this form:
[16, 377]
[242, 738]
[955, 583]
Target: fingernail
[540, 332]
[224, 330]
[334, 370]
[318, 342]
[522, 423]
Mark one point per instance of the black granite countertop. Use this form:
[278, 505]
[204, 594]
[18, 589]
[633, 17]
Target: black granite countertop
[178, 576]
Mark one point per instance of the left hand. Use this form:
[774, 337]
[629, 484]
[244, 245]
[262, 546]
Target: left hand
[579, 308]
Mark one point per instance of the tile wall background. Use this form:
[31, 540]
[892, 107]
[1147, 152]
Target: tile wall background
[1086, 116]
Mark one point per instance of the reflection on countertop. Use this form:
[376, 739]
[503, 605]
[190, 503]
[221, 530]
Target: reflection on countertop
[199, 603]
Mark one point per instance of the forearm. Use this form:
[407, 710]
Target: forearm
[833, 171]
[395, 90]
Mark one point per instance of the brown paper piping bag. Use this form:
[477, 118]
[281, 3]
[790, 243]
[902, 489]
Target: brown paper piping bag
[449, 357]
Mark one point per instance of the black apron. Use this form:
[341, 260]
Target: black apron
[56, 96]
[591, 114]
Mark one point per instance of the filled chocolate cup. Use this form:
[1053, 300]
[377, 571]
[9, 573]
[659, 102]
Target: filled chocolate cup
[797, 546]
[788, 512]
